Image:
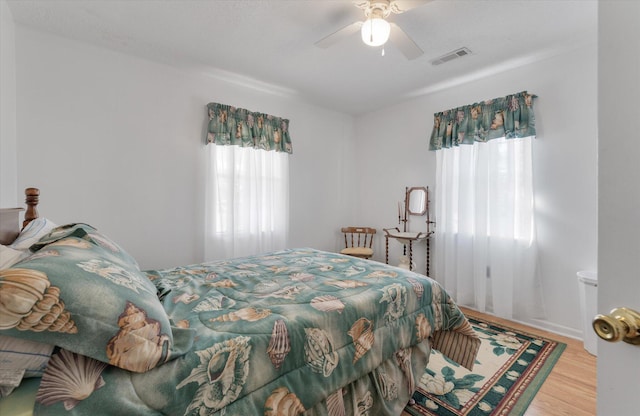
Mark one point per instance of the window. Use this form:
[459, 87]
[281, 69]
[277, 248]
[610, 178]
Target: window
[485, 231]
[485, 235]
[247, 185]
[247, 201]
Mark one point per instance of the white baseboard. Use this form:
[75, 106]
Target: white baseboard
[555, 328]
[547, 326]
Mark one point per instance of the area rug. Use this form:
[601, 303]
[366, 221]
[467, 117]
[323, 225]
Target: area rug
[508, 372]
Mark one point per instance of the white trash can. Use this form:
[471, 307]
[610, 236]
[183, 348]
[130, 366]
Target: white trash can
[588, 282]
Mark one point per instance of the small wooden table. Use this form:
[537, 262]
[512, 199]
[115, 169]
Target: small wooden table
[407, 238]
[9, 224]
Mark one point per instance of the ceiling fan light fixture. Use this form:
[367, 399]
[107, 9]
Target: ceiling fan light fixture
[375, 31]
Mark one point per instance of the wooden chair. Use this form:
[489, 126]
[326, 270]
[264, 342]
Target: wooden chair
[358, 241]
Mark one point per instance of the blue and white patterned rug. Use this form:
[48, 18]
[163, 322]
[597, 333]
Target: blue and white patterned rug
[509, 370]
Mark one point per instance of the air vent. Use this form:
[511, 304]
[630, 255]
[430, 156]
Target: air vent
[458, 53]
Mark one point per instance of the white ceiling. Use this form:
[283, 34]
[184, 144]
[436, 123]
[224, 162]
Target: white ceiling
[270, 43]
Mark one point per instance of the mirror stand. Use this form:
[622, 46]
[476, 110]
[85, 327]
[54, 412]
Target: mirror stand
[416, 202]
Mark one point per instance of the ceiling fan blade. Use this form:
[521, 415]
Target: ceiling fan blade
[406, 45]
[401, 6]
[338, 35]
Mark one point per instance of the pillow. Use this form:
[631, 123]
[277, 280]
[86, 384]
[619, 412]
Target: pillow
[32, 233]
[9, 256]
[20, 359]
[75, 293]
[87, 232]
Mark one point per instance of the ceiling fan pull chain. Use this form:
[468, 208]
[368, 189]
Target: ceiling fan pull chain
[382, 51]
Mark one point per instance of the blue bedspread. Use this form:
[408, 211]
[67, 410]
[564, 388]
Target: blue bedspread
[276, 334]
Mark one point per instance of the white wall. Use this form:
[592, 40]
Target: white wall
[117, 142]
[8, 155]
[395, 142]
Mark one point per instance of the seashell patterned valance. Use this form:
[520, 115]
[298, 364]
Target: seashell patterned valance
[510, 117]
[229, 125]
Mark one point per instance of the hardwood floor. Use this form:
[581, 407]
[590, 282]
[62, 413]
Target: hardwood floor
[570, 388]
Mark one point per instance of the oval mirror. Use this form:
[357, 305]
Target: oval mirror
[417, 200]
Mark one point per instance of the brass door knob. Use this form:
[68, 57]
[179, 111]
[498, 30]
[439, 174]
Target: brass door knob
[621, 324]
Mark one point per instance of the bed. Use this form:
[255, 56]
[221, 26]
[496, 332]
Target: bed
[298, 331]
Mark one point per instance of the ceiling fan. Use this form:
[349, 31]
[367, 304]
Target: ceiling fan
[376, 30]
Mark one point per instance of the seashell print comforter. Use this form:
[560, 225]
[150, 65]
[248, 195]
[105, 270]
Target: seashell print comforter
[291, 332]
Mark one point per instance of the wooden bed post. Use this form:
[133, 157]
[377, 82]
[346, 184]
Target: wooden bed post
[32, 200]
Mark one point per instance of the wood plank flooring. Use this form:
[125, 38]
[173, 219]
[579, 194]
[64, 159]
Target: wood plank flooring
[570, 388]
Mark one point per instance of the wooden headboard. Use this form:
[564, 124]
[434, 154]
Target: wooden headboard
[9, 217]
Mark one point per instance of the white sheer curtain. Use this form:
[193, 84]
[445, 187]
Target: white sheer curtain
[485, 239]
[247, 201]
